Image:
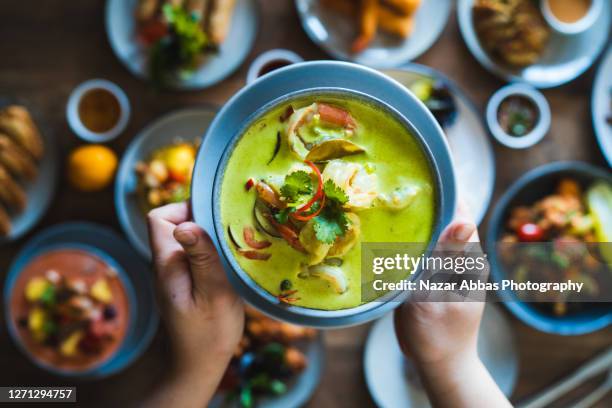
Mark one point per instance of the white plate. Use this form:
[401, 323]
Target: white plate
[120, 28]
[565, 57]
[335, 33]
[601, 106]
[393, 381]
[40, 191]
[468, 139]
[186, 124]
[300, 389]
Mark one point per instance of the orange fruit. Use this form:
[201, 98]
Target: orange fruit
[91, 167]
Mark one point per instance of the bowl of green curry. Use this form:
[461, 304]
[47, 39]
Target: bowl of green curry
[300, 184]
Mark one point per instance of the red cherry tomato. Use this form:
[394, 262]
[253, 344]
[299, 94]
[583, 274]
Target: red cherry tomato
[530, 232]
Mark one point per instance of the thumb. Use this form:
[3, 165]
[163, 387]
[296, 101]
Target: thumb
[203, 259]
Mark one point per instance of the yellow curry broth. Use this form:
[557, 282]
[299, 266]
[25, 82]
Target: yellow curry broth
[397, 159]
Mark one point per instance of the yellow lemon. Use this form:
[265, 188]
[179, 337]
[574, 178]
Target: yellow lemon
[91, 167]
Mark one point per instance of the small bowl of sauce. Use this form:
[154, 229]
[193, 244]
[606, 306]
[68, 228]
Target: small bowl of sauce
[98, 110]
[571, 17]
[518, 116]
[271, 61]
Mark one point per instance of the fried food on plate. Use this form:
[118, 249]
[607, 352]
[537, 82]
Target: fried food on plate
[392, 23]
[16, 122]
[406, 7]
[5, 222]
[11, 193]
[513, 31]
[220, 19]
[146, 9]
[16, 160]
[395, 17]
[368, 24]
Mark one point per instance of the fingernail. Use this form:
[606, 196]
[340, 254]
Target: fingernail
[463, 232]
[186, 237]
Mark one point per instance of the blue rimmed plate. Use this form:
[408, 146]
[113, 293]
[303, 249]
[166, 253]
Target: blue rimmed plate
[601, 106]
[120, 28]
[468, 139]
[334, 33]
[300, 389]
[270, 89]
[531, 187]
[393, 380]
[185, 124]
[41, 190]
[137, 275]
[565, 57]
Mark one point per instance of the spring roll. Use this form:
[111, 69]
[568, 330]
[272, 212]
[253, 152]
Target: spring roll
[220, 20]
[16, 160]
[197, 8]
[368, 23]
[11, 194]
[16, 122]
[406, 7]
[146, 10]
[401, 26]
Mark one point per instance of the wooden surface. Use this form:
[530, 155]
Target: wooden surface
[50, 46]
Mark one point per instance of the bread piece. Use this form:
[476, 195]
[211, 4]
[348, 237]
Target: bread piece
[5, 223]
[16, 160]
[11, 193]
[220, 20]
[16, 122]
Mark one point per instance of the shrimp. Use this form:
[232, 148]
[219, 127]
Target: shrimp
[359, 185]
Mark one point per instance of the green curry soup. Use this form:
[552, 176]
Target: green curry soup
[300, 242]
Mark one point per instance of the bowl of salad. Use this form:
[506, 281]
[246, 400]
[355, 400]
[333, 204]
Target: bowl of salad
[554, 226]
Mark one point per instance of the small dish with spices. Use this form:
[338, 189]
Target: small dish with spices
[98, 110]
[518, 116]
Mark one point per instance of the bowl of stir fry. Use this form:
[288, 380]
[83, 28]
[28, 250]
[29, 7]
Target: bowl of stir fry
[552, 228]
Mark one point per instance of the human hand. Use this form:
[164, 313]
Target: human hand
[441, 339]
[203, 315]
[442, 332]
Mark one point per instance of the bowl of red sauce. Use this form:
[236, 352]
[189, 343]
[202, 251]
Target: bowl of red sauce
[73, 309]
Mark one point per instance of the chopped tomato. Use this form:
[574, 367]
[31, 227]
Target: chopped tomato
[249, 184]
[152, 31]
[530, 232]
[336, 116]
[249, 238]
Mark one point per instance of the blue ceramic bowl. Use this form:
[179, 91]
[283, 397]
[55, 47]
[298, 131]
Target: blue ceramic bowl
[320, 77]
[133, 272]
[534, 185]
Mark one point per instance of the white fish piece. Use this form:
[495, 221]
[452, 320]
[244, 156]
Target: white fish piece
[360, 186]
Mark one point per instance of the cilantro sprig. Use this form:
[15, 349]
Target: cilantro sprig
[332, 222]
[297, 185]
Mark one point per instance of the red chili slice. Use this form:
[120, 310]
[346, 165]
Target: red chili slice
[254, 255]
[249, 184]
[319, 192]
[249, 237]
[307, 217]
[336, 116]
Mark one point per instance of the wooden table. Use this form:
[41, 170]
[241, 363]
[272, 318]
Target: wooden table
[50, 46]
